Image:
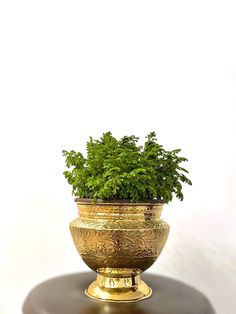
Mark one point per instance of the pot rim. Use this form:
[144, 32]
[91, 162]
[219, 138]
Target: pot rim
[117, 202]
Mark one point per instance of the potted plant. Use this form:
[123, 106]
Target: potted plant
[120, 190]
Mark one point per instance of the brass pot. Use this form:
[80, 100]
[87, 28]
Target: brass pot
[119, 240]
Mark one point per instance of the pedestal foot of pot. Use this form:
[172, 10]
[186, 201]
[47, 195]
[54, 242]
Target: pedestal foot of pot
[118, 289]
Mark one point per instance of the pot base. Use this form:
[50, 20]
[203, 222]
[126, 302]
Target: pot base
[118, 289]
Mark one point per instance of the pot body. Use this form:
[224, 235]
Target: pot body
[119, 240]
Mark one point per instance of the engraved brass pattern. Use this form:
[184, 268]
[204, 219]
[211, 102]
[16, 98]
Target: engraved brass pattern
[119, 241]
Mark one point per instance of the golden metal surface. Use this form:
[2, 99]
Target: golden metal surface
[119, 241]
[113, 289]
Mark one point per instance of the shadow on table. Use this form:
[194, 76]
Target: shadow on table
[112, 308]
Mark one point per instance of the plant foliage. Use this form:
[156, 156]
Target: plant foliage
[120, 169]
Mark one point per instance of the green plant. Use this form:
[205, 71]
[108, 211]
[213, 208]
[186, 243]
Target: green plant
[120, 169]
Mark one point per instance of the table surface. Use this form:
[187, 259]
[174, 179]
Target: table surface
[65, 295]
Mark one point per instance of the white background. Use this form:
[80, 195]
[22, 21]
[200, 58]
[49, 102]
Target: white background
[70, 69]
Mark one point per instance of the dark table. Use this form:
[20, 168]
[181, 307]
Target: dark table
[65, 295]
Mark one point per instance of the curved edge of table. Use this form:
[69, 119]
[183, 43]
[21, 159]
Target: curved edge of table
[65, 295]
